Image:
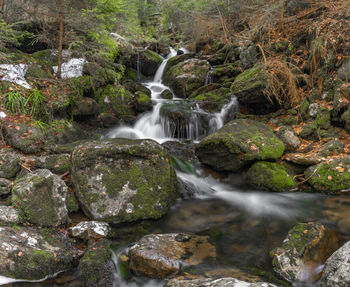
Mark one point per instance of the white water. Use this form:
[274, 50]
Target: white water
[14, 74]
[154, 125]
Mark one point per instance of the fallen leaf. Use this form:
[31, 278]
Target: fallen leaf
[330, 177]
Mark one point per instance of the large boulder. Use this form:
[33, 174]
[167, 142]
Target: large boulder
[270, 176]
[238, 144]
[57, 163]
[9, 164]
[41, 198]
[160, 255]
[26, 253]
[336, 272]
[123, 180]
[330, 177]
[306, 247]
[221, 282]
[186, 77]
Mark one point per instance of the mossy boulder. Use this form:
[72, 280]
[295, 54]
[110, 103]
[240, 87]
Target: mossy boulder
[186, 77]
[238, 144]
[225, 72]
[270, 176]
[86, 107]
[307, 246]
[96, 265]
[178, 59]
[5, 186]
[333, 147]
[101, 76]
[9, 163]
[30, 254]
[123, 180]
[40, 197]
[143, 102]
[56, 163]
[166, 94]
[331, 177]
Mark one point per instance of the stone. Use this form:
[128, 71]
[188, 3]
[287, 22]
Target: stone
[314, 110]
[5, 186]
[29, 254]
[290, 139]
[96, 266]
[86, 107]
[306, 247]
[160, 255]
[238, 144]
[166, 94]
[121, 180]
[8, 215]
[221, 282]
[336, 272]
[40, 197]
[56, 163]
[330, 177]
[304, 159]
[270, 176]
[344, 71]
[149, 62]
[333, 147]
[248, 56]
[9, 164]
[186, 77]
[143, 102]
[90, 230]
[107, 120]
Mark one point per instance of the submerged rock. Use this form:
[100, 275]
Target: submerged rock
[26, 253]
[306, 247]
[237, 144]
[270, 176]
[161, 255]
[186, 77]
[90, 229]
[330, 177]
[221, 282]
[41, 198]
[123, 180]
[9, 164]
[96, 266]
[336, 272]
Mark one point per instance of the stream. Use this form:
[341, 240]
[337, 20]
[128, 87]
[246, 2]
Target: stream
[246, 224]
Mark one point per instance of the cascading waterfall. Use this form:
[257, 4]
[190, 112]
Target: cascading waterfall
[157, 126]
[208, 77]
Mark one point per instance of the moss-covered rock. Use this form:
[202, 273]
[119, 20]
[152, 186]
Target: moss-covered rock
[30, 254]
[166, 94]
[36, 71]
[186, 77]
[5, 186]
[213, 100]
[9, 163]
[333, 147]
[72, 202]
[270, 176]
[40, 197]
[96, 266]
[238, 144]
[225, 72]
[123, 180]
[143, 102]
[86, 107]
[307, 245]
[330, 177]
[56, 163]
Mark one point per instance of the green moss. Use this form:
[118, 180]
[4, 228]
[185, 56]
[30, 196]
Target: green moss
[212, 101]
[323, 119]
[270, 176]
[250, 79]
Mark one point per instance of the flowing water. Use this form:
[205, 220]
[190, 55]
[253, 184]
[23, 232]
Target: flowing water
[245, 224]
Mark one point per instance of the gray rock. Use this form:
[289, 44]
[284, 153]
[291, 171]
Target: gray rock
[57, 163]
[90, 229]
[304, 159]
[336, 272]
[41, 198]
[314, 110]
[344, 71]
[8, 215]
[221, 282]
[248, 56]
[5, 186]
[160, 255]
[26, 253]
[121, 180]
[9, 164]
[289, 138]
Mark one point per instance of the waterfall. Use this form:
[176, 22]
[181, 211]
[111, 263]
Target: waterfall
[208, 77]
[218, 119]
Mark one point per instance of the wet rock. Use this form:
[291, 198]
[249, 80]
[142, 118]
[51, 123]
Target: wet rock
[306, 247]
[186, 77]
[9, 164]
[184, 151]
[270, 176]
[56, 163]
[314, 109]
[161, 255]
[87, 107]
[143, 102]
[90, 230]
[107, 120]
[96, 266]
[221, 282]
[41, 198]
[336, 272]
[289, 138]
[238, 144]
[166, 94]
[344, 71]
[123, 180]
[330, 177]
[304, 159]
[8, 215]
[5, 186]
[149, 62]
[26, 253]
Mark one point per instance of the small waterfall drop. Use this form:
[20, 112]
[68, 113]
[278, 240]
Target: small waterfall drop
[208, 77]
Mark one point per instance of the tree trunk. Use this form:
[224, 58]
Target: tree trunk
[2, 5]
[60, 41]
